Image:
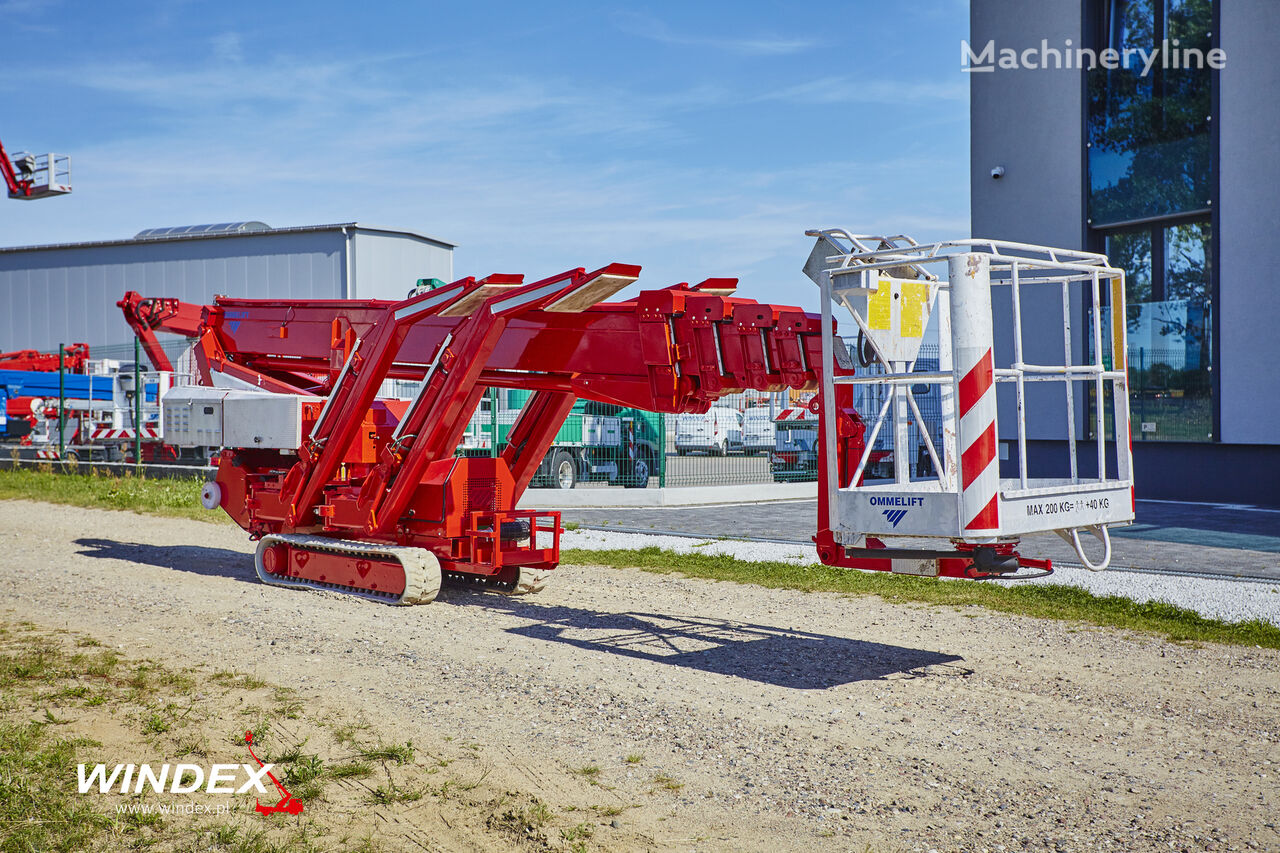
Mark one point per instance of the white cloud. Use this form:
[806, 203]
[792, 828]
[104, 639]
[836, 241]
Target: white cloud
[852, 90]
[651, 28]
[529, 174]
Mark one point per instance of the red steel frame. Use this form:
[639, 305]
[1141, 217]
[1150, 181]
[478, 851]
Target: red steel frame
[15, 185]
[383, 472]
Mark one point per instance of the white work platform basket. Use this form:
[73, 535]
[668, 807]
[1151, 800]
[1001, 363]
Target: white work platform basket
[1011, 380]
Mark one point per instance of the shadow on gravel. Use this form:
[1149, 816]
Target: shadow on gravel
[780, 656]
[218, 562]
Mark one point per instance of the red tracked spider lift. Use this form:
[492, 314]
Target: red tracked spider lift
[351, 492]
[347, 491]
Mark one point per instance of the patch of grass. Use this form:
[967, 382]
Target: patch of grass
[224, 836]
[38, 810]
[155, 724]
[385, 795]
[590, 771]
[141, 677]
[39, 662]
[577, 833]
[635, 758]
[345, 733]
[525, 823]
[49, 701]
[80, 691]
[176, 498]
[538, 814]
[1042, 601]
[350, 770]
[397, 753]
[104, 664]
[287, 704]
[237, 680]
[304, 770]
[180, 681]
[669, 783]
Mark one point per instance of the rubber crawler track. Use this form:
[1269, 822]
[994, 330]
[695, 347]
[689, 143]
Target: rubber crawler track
[421, 568]
[423, 576]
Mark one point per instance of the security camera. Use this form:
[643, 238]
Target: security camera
[997, 173]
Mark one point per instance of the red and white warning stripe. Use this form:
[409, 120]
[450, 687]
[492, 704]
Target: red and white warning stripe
[979, 468]
[46, 454]
[109, 434]
[971, 336]
[796, 413]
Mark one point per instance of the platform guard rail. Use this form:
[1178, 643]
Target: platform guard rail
[891, 287]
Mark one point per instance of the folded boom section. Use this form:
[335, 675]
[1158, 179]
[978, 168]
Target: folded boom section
[343, 465]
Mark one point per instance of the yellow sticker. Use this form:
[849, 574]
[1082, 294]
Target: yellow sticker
[914, 296]
[880, 305]
[1119, 356]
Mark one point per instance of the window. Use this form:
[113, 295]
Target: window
[1150, 189]
[1149, 140]
[1170, 328]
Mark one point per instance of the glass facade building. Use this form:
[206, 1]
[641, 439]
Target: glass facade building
[1151, 179]
[1168, 162]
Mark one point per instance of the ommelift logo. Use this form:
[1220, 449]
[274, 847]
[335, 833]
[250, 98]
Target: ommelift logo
[1170, 54]
[188, 779]
[896, 515]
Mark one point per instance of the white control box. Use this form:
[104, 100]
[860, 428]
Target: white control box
[196, 416]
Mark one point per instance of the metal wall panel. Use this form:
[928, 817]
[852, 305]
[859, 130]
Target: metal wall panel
[1030, 122]
[52, 296]
[1250, 218]
[387, 265]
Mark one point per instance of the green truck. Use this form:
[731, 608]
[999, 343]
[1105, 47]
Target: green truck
[598, 442]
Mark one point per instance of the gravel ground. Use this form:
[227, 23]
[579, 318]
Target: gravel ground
[756, 719]
[1222, 599]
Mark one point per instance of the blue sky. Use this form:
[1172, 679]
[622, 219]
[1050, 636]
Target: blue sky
[697, 139]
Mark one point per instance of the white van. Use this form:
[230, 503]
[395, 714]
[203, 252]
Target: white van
[718, 432]
[758, 430]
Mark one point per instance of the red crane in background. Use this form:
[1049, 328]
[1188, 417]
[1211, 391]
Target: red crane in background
[32, 176]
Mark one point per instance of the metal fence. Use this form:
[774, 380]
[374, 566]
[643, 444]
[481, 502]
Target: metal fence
[1170, 389]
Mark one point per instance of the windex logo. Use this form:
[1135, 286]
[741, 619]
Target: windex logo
[895, 515]
[188, 779]
[173, 779]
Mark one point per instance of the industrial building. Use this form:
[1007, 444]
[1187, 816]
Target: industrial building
[50, 295]
[1167, 163]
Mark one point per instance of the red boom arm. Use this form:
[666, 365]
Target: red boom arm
[380, 473]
